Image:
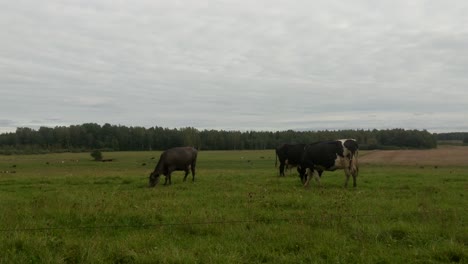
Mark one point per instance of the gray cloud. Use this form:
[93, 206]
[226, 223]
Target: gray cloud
[236, 64]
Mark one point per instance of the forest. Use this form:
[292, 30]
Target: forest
[107, 137]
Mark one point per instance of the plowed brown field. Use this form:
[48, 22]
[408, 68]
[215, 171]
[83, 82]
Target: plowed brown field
[442, 156]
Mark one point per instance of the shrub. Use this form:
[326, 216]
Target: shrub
[97, 155]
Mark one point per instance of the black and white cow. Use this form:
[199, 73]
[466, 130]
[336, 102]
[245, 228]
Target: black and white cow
[289, 155]
[329, 156]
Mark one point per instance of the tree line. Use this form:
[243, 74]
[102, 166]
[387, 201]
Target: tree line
[453, 136]
[90, 136]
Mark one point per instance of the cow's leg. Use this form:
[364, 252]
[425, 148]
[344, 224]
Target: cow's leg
[187, 170]
[320, 173]
[169, 178]
[186, 173]
[351, 169]
[193, 171]
[347, 179]
[309, 174]
[166, 174]
[281, 168]
[305, 178]
[354, 173]
[169, 172]
[301, 174]
[316, 175]
[345, 163]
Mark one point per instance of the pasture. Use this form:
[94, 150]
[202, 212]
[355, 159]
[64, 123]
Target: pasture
[66, 208]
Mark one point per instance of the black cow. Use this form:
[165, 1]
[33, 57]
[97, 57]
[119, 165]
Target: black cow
[329, 156]
[174, 159]
[289, 155]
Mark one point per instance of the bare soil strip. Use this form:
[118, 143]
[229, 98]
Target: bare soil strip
[442, 156]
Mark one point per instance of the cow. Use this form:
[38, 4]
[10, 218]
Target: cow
[289, 155]
[174, 159]
[329, 156]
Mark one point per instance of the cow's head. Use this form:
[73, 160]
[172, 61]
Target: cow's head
[153, 179]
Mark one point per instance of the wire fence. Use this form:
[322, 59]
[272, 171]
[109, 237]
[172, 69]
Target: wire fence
[314, 219]
[324, 218]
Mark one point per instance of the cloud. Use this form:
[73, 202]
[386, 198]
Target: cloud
[7, 125]
[89, 101]
[236, 64]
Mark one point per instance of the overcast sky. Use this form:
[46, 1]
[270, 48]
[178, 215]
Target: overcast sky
[235, 64]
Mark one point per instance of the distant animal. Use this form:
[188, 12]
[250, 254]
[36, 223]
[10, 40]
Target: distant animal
[329, 156]
[289, 155]
[174, 159]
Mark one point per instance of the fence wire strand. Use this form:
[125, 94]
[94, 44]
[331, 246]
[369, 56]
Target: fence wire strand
[318, 218]
[159, 225]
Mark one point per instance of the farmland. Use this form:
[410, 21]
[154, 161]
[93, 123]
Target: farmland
[409, 206]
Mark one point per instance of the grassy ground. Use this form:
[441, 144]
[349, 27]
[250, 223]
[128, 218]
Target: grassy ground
[65, 208]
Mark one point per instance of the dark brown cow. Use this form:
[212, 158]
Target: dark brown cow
[289, 155]
[174, 159]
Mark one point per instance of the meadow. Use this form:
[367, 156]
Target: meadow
[66, 208]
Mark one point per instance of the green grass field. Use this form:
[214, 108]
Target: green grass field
[66, 208]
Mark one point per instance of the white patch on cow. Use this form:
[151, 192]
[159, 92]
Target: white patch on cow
[348, 156]
[346, 151]
[311, 174]
[289, 165]
[338, 162]
[350, 163]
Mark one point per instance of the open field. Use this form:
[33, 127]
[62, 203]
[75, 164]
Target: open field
[65, 208]
[442, 156]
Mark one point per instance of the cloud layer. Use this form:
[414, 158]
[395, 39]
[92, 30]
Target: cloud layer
[267, 65]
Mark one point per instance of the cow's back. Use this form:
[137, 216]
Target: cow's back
[183, 154]
[290, 152]
[323, 154]
[295, 153]
[179, 157]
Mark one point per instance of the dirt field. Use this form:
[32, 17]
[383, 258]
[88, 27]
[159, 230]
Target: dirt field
[442, 156]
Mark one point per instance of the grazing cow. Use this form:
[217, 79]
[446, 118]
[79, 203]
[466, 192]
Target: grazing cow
[289, 155]
[174, 159]
[329, 156]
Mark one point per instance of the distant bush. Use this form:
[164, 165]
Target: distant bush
[450, 142]
[97, 155]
